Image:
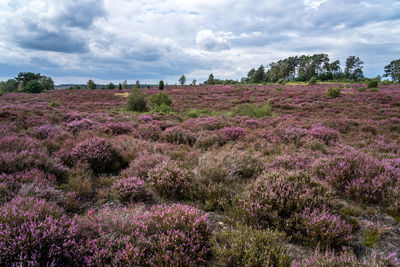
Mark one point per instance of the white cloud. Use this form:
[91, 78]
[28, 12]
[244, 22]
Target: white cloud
[314, 4]
[207, 40]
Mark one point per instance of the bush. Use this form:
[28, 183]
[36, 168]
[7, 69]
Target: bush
[156, 100]
[195, 113]
[132, 189]
[170, 181]
[162, 109]
[325, 134]
[248, 247]
[253, 111]
[281, 81]
[46, 131]
[99, 153]
[79, 125]
[232, 133]
[278, 199]
[161, 85]
[291, 134]
[33, 86]
[150, 131]
[136, 101]
[312, 81]
[333, 91]
[143, 164]
[35, 233]
[372, 83]
[178, 135]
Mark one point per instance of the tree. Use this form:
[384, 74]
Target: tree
[119, 86]
[194, 82]
[47, 83]
[9, 86]
[110, 86]
[353, 68]
[161, 85]
[90, 85]
[137, 84]
[136, 101]
[182, 80]
[125, 85]
[393, 70]
[25, 77]
[33, 86]
[211, 80]
[259, 75]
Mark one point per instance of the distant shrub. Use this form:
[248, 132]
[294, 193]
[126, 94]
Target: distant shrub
[169, 180]
[362, 89]
[161, 85]
[35, 232]
[79, 125]
[333, 91]
[178, 135]
[54, 104]
[277, 199]
[312, 81]
[325, 134]
[195, 113]
[162, 109]
[248, 247]
[325, 229]
[99, 153]
[136, 101]
[372, 83]
[157, 100]
[232, 133]
[374, 90]
[130, 189]
[253, 111]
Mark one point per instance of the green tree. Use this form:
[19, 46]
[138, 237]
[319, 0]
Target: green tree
[47, 83]
[211, 79]
[33, 86]
[259, 75]
[182, 80]
[90, 85]
[137, 84]
[9, 86]
[25, 77]
[125, 85]
[353, 68]
[393, 70]
[194, 82]
[110, 86]
[161, 85]
[119, 86]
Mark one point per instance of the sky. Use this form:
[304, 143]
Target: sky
[113, 40]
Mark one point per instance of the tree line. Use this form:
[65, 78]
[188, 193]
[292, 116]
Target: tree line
[28, 82]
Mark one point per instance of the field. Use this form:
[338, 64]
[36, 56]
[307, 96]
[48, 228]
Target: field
[313, 180]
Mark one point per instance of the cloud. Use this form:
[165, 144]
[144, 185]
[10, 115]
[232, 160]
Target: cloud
[154, 39]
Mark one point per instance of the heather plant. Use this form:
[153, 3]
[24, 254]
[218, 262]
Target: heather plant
[232, 133]
[178, 135]
[150, 131]
[132, 189]
[291, 134]
[99, 153]
[118, 128]
[334, 91]
[35, 233]
[208, 139]
[79, 125]
[141, 165]
[277, 199]
[46, 131]
[168, 180]
[253, 111]
[358, 176]
[136, 101]
[325, 134]
[245, 246]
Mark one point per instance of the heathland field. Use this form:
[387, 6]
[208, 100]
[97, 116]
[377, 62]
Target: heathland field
[250, 175]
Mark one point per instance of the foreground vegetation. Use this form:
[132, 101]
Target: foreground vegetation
[279, 175]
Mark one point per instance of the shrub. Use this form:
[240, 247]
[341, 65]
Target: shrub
[248, 247]
[117, 128]
[150, 131]
[136, 101]
[232, 133]
[170, 181]
[277, 199]
[372, 83]
[325, 228]
[161, 85]
[130, 189]
[178, 135]
[35, 233]
[79, 125]
[358, 176]
[195, 113]
[46, 131]
[312, 81]
[362, 89]
[253, 111]
[281, 81]
[99, 153]
[291, 134]
[143, 164]
[333, 91]
[54, 104]
[156, 100]
[207, 140]
[328, 135]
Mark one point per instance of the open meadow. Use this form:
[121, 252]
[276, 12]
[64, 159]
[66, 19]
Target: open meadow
[247, 175]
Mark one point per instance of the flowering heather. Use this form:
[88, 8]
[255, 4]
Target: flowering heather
[291, 134]
[177, 135]
[169, 180]
[150, 131]
[325, 134]
[117, 128]
[99, 153]
[143, 164]
[130, 189]
[232, 133]
[77, 126]
[46, 131]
